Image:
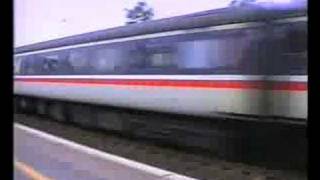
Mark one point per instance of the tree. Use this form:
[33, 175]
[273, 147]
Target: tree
[141, 12]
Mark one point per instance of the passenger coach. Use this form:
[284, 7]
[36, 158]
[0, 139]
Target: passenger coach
[247, 63]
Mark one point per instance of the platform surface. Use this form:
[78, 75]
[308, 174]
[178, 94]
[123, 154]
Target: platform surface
[49, 157]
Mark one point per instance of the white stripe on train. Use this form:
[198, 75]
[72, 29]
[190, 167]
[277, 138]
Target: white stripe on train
[294, 78]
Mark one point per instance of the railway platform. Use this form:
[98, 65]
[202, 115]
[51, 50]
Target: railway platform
[41, 156]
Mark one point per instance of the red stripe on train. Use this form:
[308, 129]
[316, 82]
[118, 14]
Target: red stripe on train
[235, 84]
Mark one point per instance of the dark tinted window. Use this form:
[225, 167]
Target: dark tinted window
[151, 57]
[28, 66]
[79, 60]
[17, 67]
[136, 57]
[216, 54]
[108, 60]
[55, 63]
[277, 50]
[289, 44]
[46, 64]
[254, 53]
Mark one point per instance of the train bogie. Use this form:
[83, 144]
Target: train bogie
[57, 111]
[41, 106]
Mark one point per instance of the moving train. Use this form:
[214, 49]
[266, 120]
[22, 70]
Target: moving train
[244, 63]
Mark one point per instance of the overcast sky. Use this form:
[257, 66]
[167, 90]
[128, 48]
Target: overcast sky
[40, 20]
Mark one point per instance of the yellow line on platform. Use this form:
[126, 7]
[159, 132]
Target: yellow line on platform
[29, 171]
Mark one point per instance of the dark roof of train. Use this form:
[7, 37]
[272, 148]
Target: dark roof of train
[195, 20]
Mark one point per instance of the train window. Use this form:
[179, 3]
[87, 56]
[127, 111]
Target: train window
[53, 63]
[254, 53]
[28, 65]
[151, 57]
[278, 50]
[289, 44]
[23, 65]
[136, 57]
[204, 53]
[17, 65]
[79, 60]
[161, 59]
[215, 55]
[107, 60]
[42, 65]
[161, 56]
[50, 63]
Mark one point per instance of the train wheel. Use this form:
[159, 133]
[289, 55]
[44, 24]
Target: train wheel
[57, 111]
[82, 115]
[16, 107]
[26, 104]
[41, 107]
[108, 119]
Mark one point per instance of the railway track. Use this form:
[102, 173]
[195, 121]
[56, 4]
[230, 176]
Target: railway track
[197, 164]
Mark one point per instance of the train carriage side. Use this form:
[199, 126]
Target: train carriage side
[247, 70]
